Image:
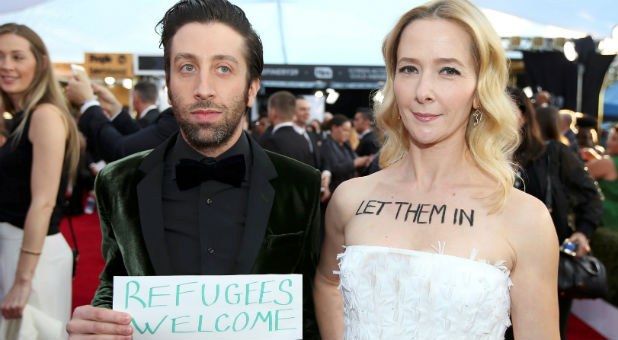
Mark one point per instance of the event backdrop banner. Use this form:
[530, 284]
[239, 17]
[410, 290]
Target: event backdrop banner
[212, 306]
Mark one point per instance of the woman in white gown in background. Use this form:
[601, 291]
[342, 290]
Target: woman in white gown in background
[438, 245]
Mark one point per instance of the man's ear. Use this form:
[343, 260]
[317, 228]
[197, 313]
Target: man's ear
[254, 86]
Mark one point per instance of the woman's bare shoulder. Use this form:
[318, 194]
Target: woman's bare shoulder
[529, 221]
[348, 193]
[47, 120]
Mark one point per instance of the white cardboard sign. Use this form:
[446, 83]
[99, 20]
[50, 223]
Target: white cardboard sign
[212, 306]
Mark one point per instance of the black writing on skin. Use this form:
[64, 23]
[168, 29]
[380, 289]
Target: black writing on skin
[420, 213]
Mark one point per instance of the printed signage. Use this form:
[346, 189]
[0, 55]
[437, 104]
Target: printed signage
[101, 65]
[212, 306]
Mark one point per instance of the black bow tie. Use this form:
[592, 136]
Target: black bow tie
[190, 173]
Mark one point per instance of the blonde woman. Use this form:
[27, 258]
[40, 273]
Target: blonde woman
[35, 163]
[438, 244]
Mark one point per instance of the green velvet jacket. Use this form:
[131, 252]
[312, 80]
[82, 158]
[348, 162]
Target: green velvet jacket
[281, 229]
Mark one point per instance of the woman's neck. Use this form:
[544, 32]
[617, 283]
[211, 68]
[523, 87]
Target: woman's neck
[437, 165]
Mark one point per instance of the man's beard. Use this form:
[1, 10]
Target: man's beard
[205, 135]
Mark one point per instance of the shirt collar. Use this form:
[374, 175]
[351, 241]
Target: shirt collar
[278, 126]
[364, 133]
[141, 114]
[299, 129]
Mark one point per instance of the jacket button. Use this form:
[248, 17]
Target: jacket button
[211, 251]
[209, 201]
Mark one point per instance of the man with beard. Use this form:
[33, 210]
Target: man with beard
[209, 200]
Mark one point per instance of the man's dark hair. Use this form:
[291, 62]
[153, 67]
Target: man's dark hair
[549, 122]
[285, 104]
[147, 91]
[366, 112]
[338, 120]
[212, 11]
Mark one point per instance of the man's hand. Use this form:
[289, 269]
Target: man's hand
[90, 322]
[588, 154]
[109, 103]
[325, 186]
[362, 161]
[583, 248]
[78, 90]
[325, 194]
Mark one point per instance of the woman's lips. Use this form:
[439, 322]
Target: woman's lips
[8, 80]
[425, 117]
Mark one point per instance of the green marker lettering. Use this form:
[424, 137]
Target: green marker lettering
[268, 317]
[247, 293]
[290, 297]
[227, 294]
[147, 327]
[150, 305]
[217, 323]
[263, 291]
[204, 296]
[178, 292]
[126, 300]
[234, 328]
[180, 323]
[277, 318]
[199, 325]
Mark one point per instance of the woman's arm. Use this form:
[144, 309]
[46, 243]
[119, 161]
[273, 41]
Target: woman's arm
[326, 294]
[534, 294]
[48, 134]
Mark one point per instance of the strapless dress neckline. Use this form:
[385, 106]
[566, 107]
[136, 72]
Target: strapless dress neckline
[397, 293]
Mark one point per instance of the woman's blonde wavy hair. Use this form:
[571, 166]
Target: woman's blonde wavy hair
[43, 89]
[494, 139]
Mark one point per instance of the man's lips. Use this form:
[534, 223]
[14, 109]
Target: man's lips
[425, 117]
[205, 115]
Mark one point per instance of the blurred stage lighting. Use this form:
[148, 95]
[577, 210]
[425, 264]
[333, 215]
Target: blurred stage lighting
[569, 51]
[127, 83]
[332, 96]
[378, 97]
[109, 81]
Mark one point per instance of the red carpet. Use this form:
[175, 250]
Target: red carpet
[579, 330]
[90, 264]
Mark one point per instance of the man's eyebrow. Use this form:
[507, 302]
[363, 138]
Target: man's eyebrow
[184, 56]
[192, 56]
[225, 57]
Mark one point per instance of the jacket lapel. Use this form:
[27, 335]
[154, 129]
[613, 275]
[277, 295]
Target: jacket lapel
[151, 207]
[261, 197]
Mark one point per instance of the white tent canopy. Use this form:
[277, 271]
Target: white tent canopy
[334, 32]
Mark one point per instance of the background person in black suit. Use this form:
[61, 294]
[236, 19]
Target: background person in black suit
[119, 136]
[337, 153]
[368, 141]
[314, 140]
[368, 144]
[145, 96]
[283, 139]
